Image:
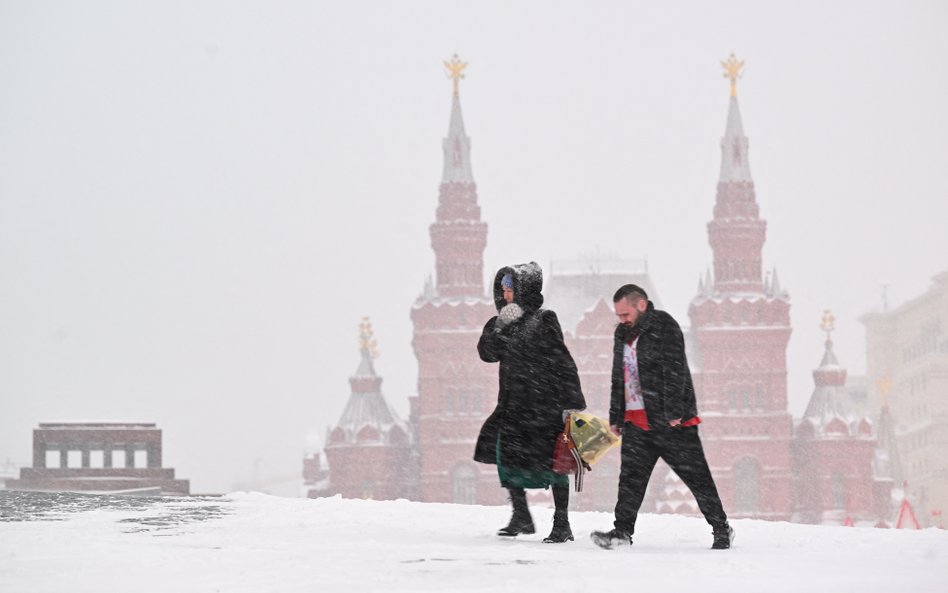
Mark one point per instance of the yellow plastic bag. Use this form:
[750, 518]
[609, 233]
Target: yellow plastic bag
[591, 435]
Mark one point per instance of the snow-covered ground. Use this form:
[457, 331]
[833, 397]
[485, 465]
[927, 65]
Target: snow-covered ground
[258, 543]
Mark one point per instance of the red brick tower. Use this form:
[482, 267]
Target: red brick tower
[369, 451]
[456, 391]
[833, 450]
[741, 325]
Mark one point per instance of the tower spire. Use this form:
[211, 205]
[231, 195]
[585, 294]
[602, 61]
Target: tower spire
[737, 232]
[735, 165]
[458, 236]
[456, 146]
[829, 398]
[740, 328]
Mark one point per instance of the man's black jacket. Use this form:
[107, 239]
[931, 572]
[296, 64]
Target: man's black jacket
[663, 371]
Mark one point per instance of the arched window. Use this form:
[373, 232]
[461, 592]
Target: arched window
[464, 484]
[745, 398]
[448, 401]
[759, 398]
[747, 486]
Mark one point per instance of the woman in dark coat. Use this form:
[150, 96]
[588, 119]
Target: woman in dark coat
[538, 383]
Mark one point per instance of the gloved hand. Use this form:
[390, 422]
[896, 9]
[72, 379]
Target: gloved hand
[509, 314]
[566, 413]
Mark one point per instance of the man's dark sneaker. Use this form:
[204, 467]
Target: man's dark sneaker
[723, 537]
[611, 539]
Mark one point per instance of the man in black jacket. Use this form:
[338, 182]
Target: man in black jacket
[653, 401]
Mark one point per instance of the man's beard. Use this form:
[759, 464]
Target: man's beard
[626, 332]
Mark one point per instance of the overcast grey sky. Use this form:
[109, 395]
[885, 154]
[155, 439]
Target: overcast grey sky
[199, 200]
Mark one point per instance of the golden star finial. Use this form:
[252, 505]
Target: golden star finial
[455, 70]
[828, 324]
[367, 338]
[732, 70]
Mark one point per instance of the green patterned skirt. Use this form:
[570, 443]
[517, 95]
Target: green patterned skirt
[512, 477]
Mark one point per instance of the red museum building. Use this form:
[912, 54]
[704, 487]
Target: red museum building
[821, 468]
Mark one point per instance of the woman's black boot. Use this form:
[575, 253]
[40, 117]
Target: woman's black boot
[520, 521]
[561, 531]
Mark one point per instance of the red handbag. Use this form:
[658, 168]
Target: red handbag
[564, 462]
[566, 459]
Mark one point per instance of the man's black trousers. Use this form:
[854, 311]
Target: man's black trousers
[682, 451]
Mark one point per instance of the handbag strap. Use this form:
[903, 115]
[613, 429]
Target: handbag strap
[579, 472]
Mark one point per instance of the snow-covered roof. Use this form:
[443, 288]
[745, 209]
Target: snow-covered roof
[830, 409]
[366, 406]
[451, 301]
[95, 425]
[367, 409]
[737, 297]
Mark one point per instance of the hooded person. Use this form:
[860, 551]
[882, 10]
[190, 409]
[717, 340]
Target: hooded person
[539, 383]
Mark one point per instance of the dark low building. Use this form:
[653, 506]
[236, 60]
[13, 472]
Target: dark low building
[113, 457]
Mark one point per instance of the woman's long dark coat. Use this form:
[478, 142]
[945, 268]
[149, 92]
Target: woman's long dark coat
[538, 377]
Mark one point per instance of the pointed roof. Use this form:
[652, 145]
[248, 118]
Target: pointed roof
[457, 148]
[828, 371]
[735, 165]
[458, 235]
[367, 409]
[736, 233]
[775, 287]
[830, 409]
[599, 320]
[366, 369]
[366, 406]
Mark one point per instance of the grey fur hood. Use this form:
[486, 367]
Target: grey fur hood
[527, 285]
